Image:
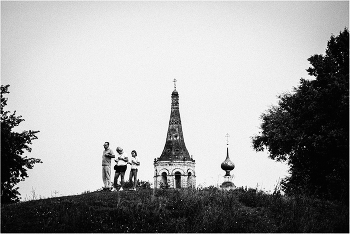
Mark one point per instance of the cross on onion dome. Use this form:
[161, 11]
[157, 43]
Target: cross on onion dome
[227, 136]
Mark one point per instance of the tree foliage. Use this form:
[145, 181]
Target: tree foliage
[309, 128]
[13, 145]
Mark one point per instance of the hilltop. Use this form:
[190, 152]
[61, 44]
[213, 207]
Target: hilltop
[201, 210]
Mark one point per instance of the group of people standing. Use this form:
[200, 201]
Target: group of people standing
[121, 161]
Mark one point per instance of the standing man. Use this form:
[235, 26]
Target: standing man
[120, 168]
[106, 166]
[135, 163]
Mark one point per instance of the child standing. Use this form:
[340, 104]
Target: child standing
[135, 163]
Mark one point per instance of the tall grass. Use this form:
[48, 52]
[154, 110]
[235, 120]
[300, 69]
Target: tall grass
[202, 210]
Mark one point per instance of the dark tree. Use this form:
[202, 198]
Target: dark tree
[13, 165]
[309, 128]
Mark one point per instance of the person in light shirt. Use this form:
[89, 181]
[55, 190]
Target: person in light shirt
[106, 166]
[120, 168]
[135, 163]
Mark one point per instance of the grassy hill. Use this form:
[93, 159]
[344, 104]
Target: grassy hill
[204, 210]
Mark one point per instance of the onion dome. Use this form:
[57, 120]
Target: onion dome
[227, 165]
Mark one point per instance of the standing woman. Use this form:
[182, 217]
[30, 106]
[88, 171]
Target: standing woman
[120, 168]
[135, 163]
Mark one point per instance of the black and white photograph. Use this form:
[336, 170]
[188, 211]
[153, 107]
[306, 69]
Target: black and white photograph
[174, 116]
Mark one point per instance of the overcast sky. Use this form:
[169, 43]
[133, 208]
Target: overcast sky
[83, 73]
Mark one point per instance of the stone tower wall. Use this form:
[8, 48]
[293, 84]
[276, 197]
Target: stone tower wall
[170, 168]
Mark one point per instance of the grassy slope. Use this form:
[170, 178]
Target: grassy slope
[207, 210]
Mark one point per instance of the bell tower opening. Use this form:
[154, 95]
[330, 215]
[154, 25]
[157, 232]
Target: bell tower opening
[189, 182]
[164, 179]
[177, 179]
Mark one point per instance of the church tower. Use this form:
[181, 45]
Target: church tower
[228, 166]
[175, 168]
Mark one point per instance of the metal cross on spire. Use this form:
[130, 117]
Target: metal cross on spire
[227, 136]
[174, 83]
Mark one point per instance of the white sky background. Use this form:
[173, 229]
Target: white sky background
[83, 73]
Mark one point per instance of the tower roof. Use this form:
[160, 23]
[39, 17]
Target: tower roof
[175, 148]
[227, 165]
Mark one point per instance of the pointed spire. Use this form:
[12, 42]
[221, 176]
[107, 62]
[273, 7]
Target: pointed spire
[175, 148]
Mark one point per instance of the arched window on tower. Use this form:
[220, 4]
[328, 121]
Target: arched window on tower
[189, 180]
[164, 181]
[177, 179]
